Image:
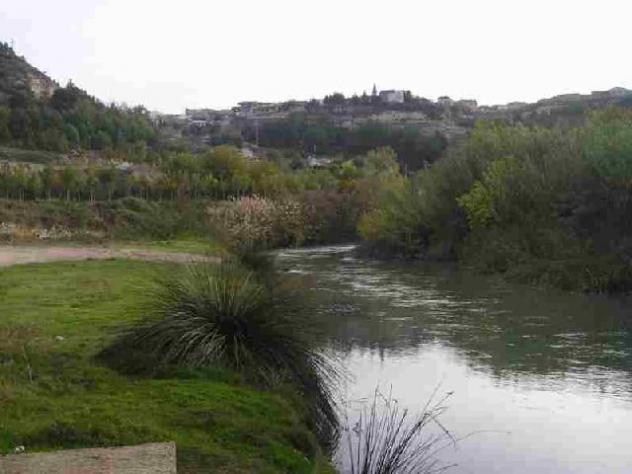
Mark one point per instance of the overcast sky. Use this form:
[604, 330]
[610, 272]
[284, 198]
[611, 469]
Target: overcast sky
[168, 55]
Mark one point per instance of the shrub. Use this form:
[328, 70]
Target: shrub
[244, 224]
[256, 223]
[395, 226]
[479, 202]
[330, 216]
[224, 316]
[607, 144]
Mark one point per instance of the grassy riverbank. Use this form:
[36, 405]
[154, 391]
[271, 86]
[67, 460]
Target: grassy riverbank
[57, 317]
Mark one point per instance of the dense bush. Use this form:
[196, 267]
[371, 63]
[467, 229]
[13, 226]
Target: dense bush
[324, 206]
[395, 226]
[256, 223]
[330, 216]
[543, 205]
[607, 145]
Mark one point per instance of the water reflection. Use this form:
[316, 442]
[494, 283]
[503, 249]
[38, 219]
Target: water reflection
[551, 370]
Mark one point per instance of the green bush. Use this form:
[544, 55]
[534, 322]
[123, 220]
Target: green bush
[547, 206]
[479, 202]
[607, 144]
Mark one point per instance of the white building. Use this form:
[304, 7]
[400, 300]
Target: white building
[445, 100]
[316, 162]
[392, 97]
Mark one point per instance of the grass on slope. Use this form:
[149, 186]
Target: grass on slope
[55, 317]
[28, 156]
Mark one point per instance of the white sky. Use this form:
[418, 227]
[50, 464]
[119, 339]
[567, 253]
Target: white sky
[168, 55]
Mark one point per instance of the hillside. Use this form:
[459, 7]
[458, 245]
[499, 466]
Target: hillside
[18, 77]
[562, 110]
[418, 129]
[36, 113]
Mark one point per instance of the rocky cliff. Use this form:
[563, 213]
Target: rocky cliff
[18, 77]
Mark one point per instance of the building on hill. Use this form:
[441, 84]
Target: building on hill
[619, 92]
[250, 108]
[611, 93]
[445, 100]
[247, 152]
[392, 96]
[468, 105]
[512, 106]
[199, 123]
[318, 162]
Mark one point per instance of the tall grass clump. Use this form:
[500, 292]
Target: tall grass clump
[225, 316]
[389, 439]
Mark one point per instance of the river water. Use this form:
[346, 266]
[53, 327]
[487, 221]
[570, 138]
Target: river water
[541, 380]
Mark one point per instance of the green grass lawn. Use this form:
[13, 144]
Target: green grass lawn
[193, 245]
[55, 317]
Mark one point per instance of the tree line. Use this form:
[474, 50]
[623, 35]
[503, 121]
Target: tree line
[220, 173]
[319, 135]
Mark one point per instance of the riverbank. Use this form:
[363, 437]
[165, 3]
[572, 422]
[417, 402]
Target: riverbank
[58, 316]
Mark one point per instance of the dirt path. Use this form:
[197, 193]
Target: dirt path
[157, 458]
[19, 255]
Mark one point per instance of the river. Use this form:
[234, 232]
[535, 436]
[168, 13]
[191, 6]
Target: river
[541, 380]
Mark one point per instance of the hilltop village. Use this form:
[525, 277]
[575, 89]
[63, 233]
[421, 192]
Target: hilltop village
[393, 108]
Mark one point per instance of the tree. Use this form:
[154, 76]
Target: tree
[607, 144]
[33, 186]
[53, 139]
[101, 141]
[72, 135]
[334, 99]
[47, 178]
[19, 124]
[266, 178]
[107, 179]
[382, 162]
[66, 98]
[227, 164]
[91, 181]
[5, 116]
[69, 180]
